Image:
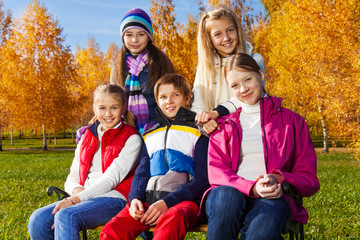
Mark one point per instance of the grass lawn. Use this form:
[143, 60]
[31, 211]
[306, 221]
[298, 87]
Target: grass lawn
[25, 175]
[34, 143]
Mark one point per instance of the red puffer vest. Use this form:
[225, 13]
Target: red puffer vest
[112, 142]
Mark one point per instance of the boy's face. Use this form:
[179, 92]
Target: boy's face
[170, 99]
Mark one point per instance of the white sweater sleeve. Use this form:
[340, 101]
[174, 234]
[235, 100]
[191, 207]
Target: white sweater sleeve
[117, 171]
[197, 103]
[73, 179]
[231, 105]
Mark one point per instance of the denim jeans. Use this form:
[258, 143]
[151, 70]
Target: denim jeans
[69, 221]
[230, 212]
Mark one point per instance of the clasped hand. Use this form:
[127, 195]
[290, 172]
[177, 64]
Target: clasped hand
[208, 120]
[268, 186]
[149, 217]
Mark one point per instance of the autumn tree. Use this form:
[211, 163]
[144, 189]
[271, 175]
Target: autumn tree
[176, 40]
[111, 53]
[94, 68]
[38, 71]
[5, 23]
[313, 51]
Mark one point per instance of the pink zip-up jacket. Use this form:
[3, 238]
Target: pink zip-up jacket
[288, 151]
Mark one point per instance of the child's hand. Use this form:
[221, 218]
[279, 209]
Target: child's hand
[204, 117]
[267, 187]
[64, 204]
[136, 209]
[273, 179]
[155, 211]
[210, 126]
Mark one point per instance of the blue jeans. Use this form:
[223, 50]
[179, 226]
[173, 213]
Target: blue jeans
[230, 212]
[69, 221]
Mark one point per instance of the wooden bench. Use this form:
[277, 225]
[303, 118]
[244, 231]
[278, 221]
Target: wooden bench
[294, 229]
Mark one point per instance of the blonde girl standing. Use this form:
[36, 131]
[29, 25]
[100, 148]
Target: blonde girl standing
[220, 36]
[100, 175]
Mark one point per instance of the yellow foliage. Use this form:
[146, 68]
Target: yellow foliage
[312, 52]
[177, 41]
[37, 71]
[93, 69]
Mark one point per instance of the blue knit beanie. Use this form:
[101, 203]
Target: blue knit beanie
[136, 18]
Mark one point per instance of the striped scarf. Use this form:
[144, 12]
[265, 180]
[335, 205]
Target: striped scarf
[136, 101]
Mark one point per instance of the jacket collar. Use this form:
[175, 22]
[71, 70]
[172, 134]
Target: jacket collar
[271, 105]
[93, 128]
[182, 115]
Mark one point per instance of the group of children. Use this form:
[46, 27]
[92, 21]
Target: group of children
[172, 176]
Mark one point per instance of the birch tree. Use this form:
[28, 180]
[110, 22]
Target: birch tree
[39, 71]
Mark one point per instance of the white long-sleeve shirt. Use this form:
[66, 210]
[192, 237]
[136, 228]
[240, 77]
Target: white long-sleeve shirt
[252, 163]
[100, 184]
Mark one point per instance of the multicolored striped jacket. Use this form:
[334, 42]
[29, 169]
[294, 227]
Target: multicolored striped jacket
[173, 161]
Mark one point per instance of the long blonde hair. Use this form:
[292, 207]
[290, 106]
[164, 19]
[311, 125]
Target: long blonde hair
[117, 93]
[207, 52]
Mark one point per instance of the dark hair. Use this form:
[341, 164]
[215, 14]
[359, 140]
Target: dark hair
[159, 64]
[117, 93]
[176, 80]
[241, 61]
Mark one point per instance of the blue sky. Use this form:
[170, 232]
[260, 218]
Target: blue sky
[98, 18]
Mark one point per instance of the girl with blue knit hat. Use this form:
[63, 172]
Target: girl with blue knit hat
[139, 64]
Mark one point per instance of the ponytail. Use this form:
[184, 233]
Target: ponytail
[129, 118]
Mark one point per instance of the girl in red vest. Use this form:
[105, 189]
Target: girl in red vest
[100, 175]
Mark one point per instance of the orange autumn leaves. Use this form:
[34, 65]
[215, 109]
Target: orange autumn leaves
[311, 51]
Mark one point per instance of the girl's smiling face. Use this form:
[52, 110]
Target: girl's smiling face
[135, 40]
[246, 85]
[108, 111]
[223, 35]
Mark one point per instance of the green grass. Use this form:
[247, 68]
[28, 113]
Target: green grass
[34, 143]
[25, 175]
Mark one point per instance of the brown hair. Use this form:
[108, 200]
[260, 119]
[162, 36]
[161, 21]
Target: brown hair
[117, 93]
[241, 61]
[159, 64]
[176, 80]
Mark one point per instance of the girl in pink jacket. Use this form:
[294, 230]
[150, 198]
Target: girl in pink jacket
[252, 152]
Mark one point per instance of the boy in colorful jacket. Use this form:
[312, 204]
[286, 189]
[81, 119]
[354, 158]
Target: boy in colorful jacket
[172, 174]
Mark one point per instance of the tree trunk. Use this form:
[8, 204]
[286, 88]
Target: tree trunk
[325, 131]
[72, 135]
[20, 134]
[12, 137]
[55, 140]
[1, 137]
[64, 134]
[49, 137]
[325, 138]
[44, 137]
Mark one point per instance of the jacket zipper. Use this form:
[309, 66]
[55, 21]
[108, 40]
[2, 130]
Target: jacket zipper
[264, 133]
[166, 133]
